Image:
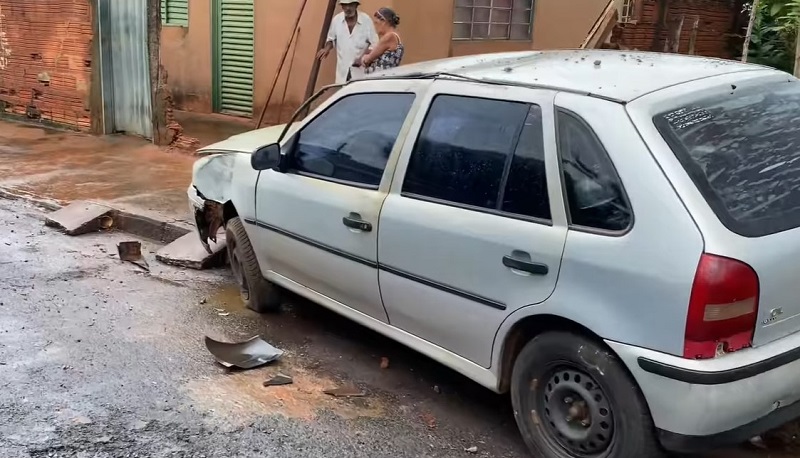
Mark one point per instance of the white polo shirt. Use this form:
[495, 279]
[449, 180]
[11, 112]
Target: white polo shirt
[351, 45]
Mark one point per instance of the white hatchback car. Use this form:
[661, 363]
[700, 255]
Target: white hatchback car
[612, 237]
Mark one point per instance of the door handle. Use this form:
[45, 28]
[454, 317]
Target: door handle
[533, 268]
[354, 221]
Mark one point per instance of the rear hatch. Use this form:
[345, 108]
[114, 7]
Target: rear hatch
[742, 150]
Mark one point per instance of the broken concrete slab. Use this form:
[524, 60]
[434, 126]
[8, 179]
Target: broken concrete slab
[189, 252]
[80, 217]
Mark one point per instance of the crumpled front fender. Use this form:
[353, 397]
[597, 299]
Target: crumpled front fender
[221, 180]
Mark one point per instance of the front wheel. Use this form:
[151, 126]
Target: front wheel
[573, 399]
[257, 293]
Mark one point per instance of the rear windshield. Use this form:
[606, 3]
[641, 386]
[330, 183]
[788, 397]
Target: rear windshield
[742, 149]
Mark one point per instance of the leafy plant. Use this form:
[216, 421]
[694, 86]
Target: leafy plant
[774, 37]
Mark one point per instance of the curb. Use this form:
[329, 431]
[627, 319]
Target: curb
[143, 226]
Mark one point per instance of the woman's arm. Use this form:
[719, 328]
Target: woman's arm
[383, 45]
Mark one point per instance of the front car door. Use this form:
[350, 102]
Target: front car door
[318, 223]
[474, 226]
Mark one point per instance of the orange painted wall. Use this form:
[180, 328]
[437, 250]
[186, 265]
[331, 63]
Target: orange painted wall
[186, 56]
[426, 30]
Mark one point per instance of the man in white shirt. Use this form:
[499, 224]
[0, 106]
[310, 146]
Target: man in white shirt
[352, 33]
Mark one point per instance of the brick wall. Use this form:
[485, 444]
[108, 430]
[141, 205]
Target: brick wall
[45, 60]
[718, 32]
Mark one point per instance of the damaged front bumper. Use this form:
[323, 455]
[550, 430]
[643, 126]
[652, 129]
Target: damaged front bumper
[208, 216]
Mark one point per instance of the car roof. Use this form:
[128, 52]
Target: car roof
[616, 75]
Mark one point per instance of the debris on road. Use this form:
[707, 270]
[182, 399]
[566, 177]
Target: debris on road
[79, 218]
[139, 425]
[132, 252]
[346, 392]
[249, 354]
[83, 420]
[429, 419]
[190, 253]
[279, 380]
[472, 449]
[758, 442]
[384, 363]
[436, 389]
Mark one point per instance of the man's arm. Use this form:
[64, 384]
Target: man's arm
[323, 53]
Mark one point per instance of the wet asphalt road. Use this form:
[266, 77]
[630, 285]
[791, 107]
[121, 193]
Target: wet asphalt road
[101, 359]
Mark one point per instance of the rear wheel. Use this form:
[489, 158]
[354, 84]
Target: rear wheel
[257, 293]
[573, 399]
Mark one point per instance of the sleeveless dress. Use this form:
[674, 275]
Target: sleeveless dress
[388, 59]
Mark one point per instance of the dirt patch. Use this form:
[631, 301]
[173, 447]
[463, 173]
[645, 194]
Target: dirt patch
[242, 396]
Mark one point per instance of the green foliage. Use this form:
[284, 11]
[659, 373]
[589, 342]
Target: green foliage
[775, 33]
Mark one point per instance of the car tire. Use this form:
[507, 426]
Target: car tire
[573, 398]
[257, 293]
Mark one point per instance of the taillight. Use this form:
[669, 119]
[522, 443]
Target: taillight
[722, 309]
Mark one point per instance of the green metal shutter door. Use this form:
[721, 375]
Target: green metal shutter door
[235, 57]
[175, 12]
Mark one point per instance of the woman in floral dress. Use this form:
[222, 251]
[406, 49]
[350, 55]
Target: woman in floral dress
[388, 53]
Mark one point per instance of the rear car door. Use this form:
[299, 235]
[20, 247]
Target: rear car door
[318, 223]
[474, 225]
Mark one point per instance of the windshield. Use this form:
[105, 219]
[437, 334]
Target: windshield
[742, 149]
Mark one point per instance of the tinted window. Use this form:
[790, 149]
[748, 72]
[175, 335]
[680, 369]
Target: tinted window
[352, 139]
[594, 193]
[742, 149]
[466, 154]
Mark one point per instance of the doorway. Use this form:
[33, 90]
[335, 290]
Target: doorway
[125, 67]
[234, 62]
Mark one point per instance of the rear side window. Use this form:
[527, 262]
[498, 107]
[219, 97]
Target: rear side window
[482, 154]
[742, 150]
[595, 197]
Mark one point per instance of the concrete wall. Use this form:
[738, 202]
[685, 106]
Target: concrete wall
[46, 60]
[426, 30]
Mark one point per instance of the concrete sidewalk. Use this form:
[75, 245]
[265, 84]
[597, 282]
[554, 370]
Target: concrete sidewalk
[126, 173]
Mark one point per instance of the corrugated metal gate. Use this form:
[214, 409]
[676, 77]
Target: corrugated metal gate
[233, 56]
[125, 67]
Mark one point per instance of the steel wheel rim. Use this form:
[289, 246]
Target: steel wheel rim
[577, 413]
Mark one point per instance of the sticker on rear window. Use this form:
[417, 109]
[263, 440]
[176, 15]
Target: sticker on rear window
[687, 117]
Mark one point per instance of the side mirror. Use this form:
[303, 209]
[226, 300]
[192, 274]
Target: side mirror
[267, 157]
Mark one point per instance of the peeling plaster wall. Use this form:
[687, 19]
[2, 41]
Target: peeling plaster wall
[45, 60]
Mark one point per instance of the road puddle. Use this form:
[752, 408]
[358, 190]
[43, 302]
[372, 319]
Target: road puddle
[227, 297]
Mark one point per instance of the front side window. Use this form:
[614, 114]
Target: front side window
[483, 154]
[493, 20]
[741, 148]
[595, 197]
[351, 140]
